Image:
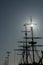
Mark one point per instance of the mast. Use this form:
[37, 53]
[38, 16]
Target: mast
[25, 48]
[26, 43]
[7, 59]
[8, 54]
[32, 44]
[32, 40]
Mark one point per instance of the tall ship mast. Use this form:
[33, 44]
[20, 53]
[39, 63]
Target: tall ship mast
[6, 62]
[29, 45]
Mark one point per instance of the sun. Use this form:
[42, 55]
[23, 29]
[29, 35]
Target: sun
[32, 25]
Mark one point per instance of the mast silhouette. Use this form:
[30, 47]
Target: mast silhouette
[7, 59]
[32, 42]
[29, 43]
[26, 42]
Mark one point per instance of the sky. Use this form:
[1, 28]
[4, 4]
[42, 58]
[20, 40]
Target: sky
[13, 14]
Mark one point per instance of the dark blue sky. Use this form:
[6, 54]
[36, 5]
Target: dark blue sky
[13, 14]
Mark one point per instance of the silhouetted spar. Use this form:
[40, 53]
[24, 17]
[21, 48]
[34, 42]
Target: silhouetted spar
[29, 24]
[25, 31]
[32, 42]
[33, 37]
[22, 54]
[23, 41]
[28, 46]
[38, 45]
[24, 50]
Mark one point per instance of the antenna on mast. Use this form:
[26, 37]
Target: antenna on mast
[31, 19]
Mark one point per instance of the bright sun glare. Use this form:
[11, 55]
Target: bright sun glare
[32, 25]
